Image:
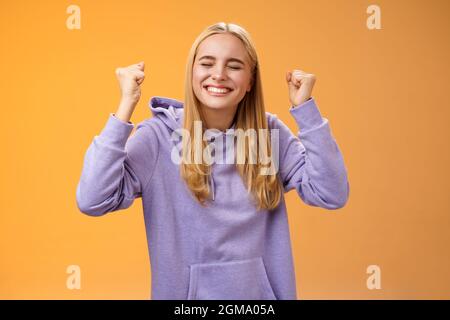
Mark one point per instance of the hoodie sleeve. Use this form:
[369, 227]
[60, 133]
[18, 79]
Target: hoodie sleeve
[116, 167]
[311, 162]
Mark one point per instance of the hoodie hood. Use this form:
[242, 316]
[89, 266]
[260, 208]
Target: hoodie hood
[169, 111]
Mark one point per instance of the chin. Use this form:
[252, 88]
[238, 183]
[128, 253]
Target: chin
[216, 104]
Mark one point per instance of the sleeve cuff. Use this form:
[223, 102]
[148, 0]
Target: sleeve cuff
[307, 114]
[116, 131]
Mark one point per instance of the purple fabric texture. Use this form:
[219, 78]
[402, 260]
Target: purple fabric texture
[229, 249]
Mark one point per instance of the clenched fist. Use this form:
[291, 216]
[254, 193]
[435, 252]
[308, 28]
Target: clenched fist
[130, 80]
[300, 86]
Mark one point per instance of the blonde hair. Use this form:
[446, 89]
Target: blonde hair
[250, 114]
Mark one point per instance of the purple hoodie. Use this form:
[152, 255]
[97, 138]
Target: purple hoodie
[229, 249]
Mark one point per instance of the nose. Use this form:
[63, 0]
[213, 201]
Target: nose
[218, 73]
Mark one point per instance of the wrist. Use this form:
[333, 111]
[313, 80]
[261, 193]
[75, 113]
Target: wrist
[128, 102]
[125, 109]
[300, 102]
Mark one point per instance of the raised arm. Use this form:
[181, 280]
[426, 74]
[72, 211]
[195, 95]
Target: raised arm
[117, 167]
[311, 161]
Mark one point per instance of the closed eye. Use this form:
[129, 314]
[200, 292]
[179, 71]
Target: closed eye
[209, 65]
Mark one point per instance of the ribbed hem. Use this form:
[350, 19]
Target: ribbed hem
[307, 114]
[116, 131]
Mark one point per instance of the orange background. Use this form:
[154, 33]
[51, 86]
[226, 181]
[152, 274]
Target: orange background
[384, 91]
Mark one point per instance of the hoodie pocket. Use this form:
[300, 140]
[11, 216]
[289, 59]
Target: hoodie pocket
[231, 280]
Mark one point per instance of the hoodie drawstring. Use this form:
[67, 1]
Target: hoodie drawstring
[213, 191]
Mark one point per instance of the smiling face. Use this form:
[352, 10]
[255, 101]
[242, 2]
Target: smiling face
[221, 61]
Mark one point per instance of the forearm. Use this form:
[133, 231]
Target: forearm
[125, 110]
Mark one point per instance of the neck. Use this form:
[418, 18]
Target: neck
[221, 119]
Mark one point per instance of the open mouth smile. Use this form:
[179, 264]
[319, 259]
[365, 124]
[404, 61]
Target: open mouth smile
[218, 92]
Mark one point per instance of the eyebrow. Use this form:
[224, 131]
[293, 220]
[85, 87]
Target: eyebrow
[230, 59]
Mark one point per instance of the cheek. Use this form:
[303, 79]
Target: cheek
[196, 85]
[197, 78]
[242, 81]
[241, 84]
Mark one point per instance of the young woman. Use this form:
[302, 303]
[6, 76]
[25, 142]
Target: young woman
[215, 230]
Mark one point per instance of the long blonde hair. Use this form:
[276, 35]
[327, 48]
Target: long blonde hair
[250, 114]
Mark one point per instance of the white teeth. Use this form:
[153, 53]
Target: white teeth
[222, 90]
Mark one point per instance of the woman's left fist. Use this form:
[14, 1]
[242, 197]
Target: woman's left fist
[300, 86]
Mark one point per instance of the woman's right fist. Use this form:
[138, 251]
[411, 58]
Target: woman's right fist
[130, 78]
